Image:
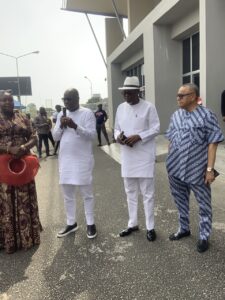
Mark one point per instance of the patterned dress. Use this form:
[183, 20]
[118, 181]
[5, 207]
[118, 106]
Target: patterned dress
[19, 219]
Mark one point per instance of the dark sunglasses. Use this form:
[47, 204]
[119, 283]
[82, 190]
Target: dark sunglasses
[181, 96]
[129, 92]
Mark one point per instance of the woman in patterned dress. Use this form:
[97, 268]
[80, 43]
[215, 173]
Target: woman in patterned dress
[19, 219]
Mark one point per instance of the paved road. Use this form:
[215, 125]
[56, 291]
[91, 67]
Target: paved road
[109, 267]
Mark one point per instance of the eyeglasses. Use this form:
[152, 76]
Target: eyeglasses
[181, 96]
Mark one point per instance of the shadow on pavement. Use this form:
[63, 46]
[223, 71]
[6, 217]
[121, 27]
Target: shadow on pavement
[14, 268]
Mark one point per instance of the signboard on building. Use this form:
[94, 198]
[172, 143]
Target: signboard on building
[11, 83]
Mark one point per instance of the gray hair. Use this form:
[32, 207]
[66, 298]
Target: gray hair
[192, 87]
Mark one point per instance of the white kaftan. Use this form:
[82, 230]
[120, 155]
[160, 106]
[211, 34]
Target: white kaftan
[76, 159]
[142, 119]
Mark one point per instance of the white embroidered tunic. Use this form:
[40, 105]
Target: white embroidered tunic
[142, 119]
[76, 159]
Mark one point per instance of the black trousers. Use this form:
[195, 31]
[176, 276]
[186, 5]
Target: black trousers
[56, 146]
[51, 138]
[101, 128]
[44, 138]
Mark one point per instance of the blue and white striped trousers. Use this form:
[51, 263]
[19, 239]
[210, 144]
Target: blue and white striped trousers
[181, 194]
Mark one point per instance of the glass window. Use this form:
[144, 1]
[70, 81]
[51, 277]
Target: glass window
[196, 79]
[191, 72]
[195, 52]
[186, 56]
[186, 79]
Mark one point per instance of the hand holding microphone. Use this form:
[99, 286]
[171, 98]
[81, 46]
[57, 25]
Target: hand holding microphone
[63, 119]
[66, 121]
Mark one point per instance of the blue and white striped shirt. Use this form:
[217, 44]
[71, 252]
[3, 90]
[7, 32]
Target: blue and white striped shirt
[189, 134]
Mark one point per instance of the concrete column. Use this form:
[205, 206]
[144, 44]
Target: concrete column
[166, 69]
[212, 53]
[115, 80]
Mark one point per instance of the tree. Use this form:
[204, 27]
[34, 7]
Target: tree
[31, 109]
[95, 99]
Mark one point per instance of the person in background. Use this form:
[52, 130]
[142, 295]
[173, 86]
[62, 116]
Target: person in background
[29, 118]
[101, 118]
[42, 126]
[58, 109]
[33, 126]
[50, 137]
[136, 126]
[75, 129]
[20, 226]
[194, 134]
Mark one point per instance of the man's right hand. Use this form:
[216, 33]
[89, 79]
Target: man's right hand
[120, 138]
[63, 122]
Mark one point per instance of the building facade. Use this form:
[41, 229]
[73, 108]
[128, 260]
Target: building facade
[170, 42]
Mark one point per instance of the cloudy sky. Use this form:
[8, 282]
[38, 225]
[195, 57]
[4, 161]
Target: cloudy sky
[68, 51]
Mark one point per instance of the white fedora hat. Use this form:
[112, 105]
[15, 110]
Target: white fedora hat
[131, 83]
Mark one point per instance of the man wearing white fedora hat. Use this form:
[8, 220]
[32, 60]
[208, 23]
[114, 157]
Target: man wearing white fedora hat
[136, 126]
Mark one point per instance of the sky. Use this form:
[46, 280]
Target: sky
[68, 51]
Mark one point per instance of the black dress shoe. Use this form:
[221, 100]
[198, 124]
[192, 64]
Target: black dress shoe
[68, 229]
[202, 245]
[91, 231]
[128, 231]
[179, 235]
[151, 235]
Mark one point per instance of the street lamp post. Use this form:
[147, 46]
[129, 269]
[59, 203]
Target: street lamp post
[17, 69]
[90, 84]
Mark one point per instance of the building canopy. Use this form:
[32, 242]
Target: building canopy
[99, 7]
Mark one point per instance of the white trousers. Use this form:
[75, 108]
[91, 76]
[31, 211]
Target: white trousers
[146, 187]
[69, 193]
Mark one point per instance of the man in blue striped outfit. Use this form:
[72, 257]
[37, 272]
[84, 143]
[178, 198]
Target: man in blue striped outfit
[194, 134]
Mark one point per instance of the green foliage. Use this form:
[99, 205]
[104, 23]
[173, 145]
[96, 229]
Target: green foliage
[94, 100]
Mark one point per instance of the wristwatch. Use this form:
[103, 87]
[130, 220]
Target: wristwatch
[209, 169]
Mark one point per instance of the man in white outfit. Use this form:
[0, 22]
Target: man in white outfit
[75, 129]
[136, 126]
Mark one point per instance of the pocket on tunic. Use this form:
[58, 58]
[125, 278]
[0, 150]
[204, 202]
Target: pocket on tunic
[197, 135]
